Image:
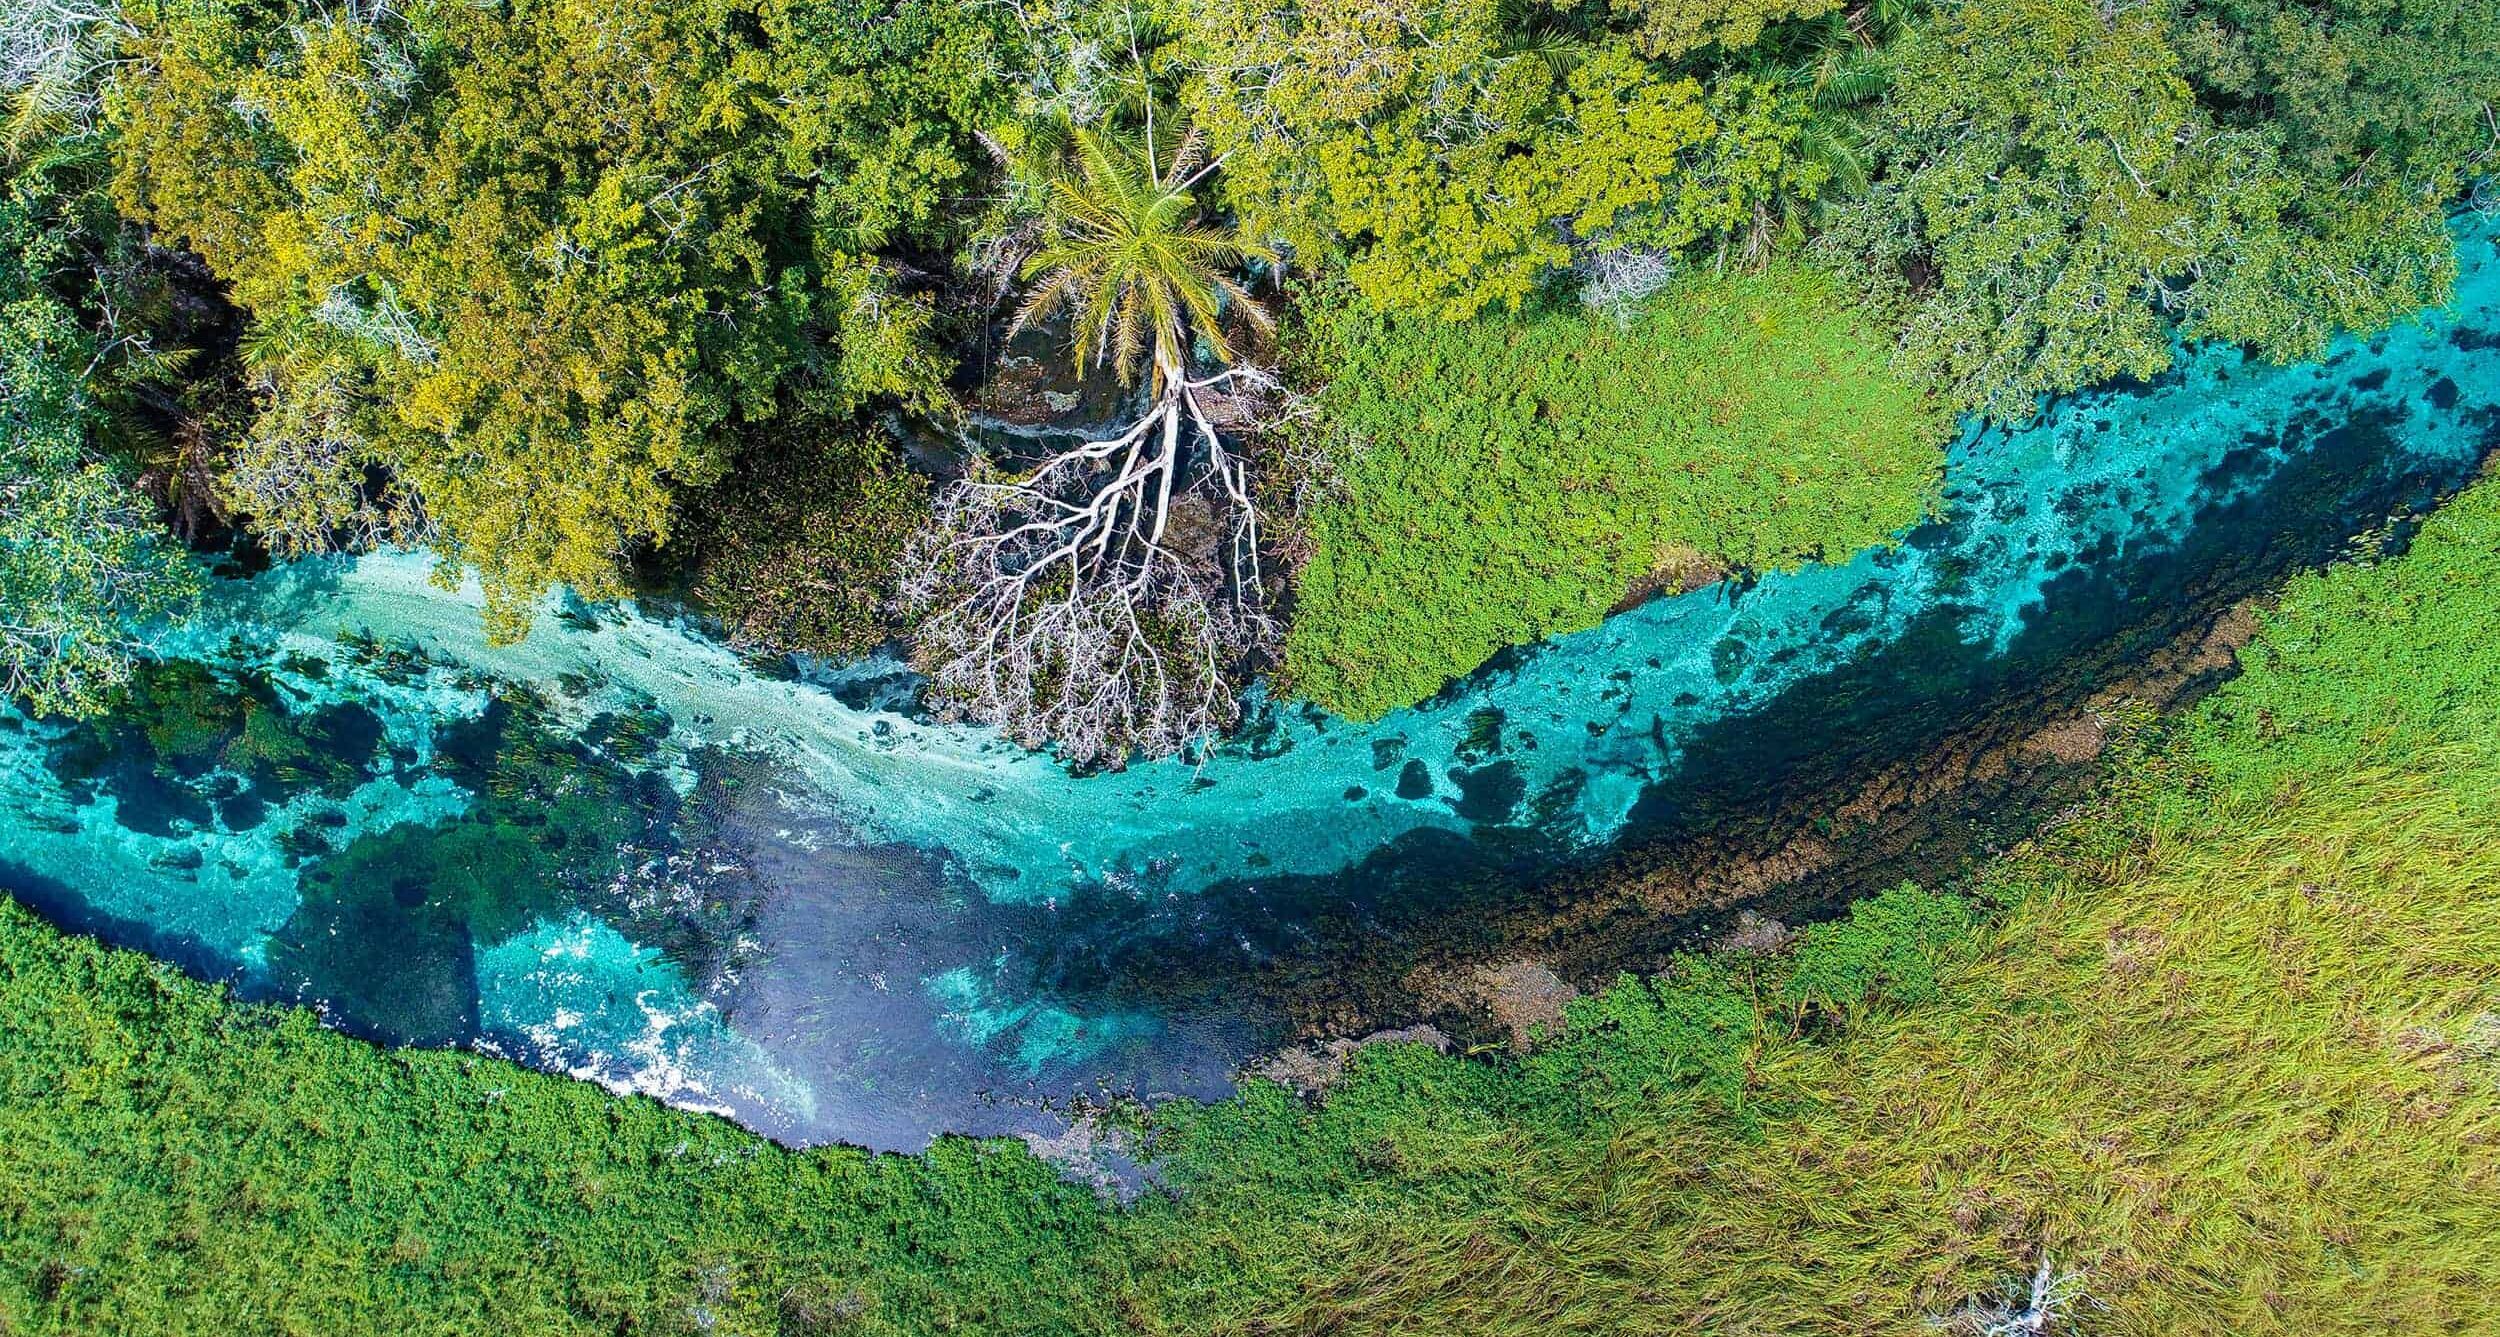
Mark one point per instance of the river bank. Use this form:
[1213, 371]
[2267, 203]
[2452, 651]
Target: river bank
[2219, 1047]
[618, 851]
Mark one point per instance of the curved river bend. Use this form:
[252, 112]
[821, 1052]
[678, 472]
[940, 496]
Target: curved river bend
[616, 850]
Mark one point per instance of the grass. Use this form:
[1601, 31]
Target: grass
[2227, 1044]
[171, 1162]
[1513, 477]
[2243, 1083]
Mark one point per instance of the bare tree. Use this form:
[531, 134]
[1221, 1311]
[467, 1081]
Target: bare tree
[1616, 283]
[1102, 601]
[50, 54]
[2043, 1305]
[304, 475]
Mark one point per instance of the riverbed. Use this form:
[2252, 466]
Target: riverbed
[617, 849]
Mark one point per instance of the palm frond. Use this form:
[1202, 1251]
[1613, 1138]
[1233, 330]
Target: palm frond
[1238, 298]
[1840, 149]
[1850, 78]
[1559, 51]
[1124, 251]
[1188, 150]
[1044, 300]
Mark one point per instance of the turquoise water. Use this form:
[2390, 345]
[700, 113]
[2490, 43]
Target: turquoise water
[616, 850]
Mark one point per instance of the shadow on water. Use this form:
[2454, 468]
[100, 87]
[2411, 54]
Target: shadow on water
[552, 865]
[1339, 952]
[67, 907]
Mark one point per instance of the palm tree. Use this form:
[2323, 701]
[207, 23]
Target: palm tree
[1840, 63]
[1059, 607]
[1125, 249]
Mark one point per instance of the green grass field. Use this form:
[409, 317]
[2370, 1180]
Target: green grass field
[2226, 1045]
[1514, 477]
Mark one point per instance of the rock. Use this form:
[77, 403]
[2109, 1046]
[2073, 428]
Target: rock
[1311, 1069]
[1526, 997]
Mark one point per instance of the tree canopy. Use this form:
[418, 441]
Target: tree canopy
[1458, 161]
[530, 261]
[545, 285]
[84, 562]
[2062, 189]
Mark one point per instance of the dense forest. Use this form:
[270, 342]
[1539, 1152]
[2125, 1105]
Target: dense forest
[760, 305]
[1119, 364]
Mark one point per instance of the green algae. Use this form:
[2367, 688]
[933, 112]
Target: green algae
[190, 745]
[390, 924]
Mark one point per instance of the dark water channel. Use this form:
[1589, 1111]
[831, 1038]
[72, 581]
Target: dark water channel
[618, 851]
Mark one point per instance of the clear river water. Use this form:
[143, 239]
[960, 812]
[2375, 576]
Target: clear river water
[618, 850]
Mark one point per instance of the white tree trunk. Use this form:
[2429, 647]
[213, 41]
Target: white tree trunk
[1058, 609]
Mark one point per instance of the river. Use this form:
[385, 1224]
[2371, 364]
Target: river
[618, 850]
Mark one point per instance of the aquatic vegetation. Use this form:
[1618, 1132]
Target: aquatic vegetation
[1514, 478]
[2221, 1047]
[388, 925]
[186, 743]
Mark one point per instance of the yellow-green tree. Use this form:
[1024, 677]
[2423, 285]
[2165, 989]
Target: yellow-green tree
[531, 262]
[1456, 160]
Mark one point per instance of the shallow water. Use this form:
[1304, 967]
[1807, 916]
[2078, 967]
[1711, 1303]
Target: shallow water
[616, 850]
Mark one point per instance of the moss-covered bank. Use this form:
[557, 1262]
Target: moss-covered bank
[1515, 477]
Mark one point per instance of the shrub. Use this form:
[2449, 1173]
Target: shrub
[796, 549]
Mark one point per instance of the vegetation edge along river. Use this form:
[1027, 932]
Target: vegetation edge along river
[2220, 1052]
[613, 849]
[1224, 400]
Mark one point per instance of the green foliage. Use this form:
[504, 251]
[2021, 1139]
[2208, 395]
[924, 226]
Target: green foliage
[2399, 93]
[2387, 667]
[1457, 162]
[2055, 203]
[2382, 115]
[244, 1167]
[796, 548]
[1513, 478]
[1669, 28]
[2053, 168]
[1884, 951]
[1613, 153]
[535, 261]
[84, 563]
[2227, 1044]
[2229, 1053]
